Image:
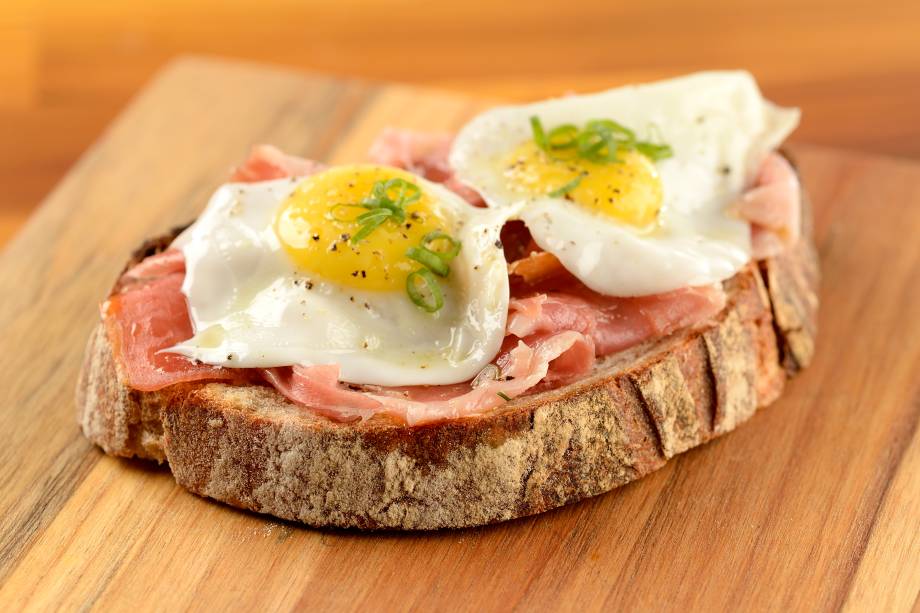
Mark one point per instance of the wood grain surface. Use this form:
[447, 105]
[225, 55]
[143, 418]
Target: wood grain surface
[812, 505]
[68, 66]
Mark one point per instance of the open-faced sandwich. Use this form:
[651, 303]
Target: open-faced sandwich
[470, 328]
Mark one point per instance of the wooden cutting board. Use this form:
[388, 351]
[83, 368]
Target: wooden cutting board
[813, 505]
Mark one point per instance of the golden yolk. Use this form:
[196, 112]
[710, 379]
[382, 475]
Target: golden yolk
[319, 241]
[628, 190]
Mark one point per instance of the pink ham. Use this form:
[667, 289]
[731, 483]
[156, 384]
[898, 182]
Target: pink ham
[773, 206]
[266, 162]
[422, 153]
[613, 323]
[318, 387]
[149, 317]
[522, 368]
[156, 266]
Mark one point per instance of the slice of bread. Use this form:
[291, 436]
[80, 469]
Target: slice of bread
[250, 447]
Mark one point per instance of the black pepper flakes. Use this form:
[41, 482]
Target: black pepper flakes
[498, 244]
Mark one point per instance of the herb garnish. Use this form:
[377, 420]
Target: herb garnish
[387, 200]
[424, 291]
[598, 141]
[562, 191]
[436, 259]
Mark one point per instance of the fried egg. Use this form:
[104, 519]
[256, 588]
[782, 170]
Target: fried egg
[655, 214]
[285, 272]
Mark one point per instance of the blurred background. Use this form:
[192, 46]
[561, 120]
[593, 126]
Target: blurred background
[67, 68]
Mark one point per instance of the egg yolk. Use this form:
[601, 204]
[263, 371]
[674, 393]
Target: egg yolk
[628, 190]
[317, 233]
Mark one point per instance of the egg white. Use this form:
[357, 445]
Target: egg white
[720, 129]
[251, 308]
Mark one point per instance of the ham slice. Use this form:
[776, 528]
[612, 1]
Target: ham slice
[318, 387]
[424, 154]
[146, 318]
[773, 206]
[613, 323]
[521, 368]
[266, 162]
[154, 267]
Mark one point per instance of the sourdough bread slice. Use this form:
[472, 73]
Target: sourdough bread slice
[250, 447]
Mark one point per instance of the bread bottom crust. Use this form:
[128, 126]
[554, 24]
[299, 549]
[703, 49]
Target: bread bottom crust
[249, 447]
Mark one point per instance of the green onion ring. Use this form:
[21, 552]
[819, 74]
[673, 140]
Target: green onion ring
[437, 235]
[539, 136]
[434, 300]
[429, 259]
[609, 125]
[368, 227]
[565, 131]
[338, 207]
[373, 214]
[562, 191]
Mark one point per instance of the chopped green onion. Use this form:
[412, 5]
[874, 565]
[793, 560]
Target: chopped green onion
[402, 199]
[539, 136]
[432, 299]
[365, 230]
[387, 200]
[562, 137]
[373, 214]
[598, 147]
[504, 396]
[609, 125]
[599, 141]
[655, 152]
[437, 235]
[430, 259]
[336, 212]
[562, 191]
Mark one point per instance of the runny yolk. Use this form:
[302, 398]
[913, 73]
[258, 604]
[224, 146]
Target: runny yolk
[318, 240]
[628, 190]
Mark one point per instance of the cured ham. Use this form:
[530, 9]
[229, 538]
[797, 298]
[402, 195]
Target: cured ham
[154, 267]
[150, 316]
[266, 162]
[422, 153]
[773, 206]
[520, 369]
[613, 323]
[318, 387]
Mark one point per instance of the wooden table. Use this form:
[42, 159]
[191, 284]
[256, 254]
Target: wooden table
[812, 505]
[66, 68]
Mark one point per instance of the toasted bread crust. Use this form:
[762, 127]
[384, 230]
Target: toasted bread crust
[249, 447]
